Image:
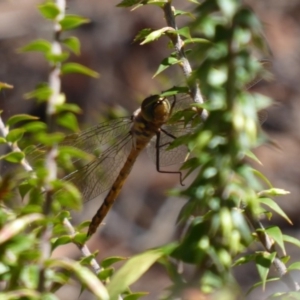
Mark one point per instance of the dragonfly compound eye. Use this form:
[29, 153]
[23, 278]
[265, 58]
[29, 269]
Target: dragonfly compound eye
[156, 109]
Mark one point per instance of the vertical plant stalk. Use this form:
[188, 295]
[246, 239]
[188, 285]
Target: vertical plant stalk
[50, 161]
[25, 164]
[265, 240]
[185, 64]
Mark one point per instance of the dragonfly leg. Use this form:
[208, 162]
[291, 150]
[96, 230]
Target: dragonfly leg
[173, 104]
[157, 156]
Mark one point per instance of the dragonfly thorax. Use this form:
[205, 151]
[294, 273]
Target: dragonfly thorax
[156, 109]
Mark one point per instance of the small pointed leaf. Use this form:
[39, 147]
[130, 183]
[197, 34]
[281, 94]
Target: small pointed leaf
[135, 296]
[263, 264]
[274, 206]
[19, 118]
[131, 271]
[13, 157]
[72, 21]
[111, 260]
[49, 10]
[156, 34]
[166, 63]
[39, 45]
[14, 227]
[275, 233]
[292, 240]
[78, 68]
[73, 44]
[4, 85]
[15, 135]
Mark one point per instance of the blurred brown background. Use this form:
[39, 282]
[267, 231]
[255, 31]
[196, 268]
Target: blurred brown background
[144, 216]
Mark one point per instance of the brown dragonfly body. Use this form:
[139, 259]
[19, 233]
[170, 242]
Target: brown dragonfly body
[118, 143]
[146, 123]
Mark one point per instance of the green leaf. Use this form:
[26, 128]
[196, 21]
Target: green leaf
[206, 43]
[292, 240]
[261, 176]
[41, 93]
[244, 259]
[73, 44]
[275, 233]
[273, 192]
[156, 34]
[24, 189]
[19, 118]
[184, 31]
[79, 238]
[111, 260]
[71, 107]
[166, 63]
[35, 126]
[69, 121]
[128, 3]
[2, 140]
[142, 34]
[251, 155]
[13, 157]
[48, 139]
[86, 260]
[105, 274]
[39, 45]
[261, 283]
[294, 266]
[12, 228]
[49, 10]
[83, 225]
[178, 12]
[57, 58]
[275, 207]
[78, 68]
[62, 240]
[85, 276]
[263, 263]
[135, 296]
[72, 21]
[73, 151]
[15, 135]
[133, 269]
[68, 196]
[4, 85]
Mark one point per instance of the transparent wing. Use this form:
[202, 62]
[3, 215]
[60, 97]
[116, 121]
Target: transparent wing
[99, 175]
[94, 140]
[178, 154]
[262, 116]
[109, 143]
[99, 137]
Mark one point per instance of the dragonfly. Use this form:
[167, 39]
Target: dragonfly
[115, 146]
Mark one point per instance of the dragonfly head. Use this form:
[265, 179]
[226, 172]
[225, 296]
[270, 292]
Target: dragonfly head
[156, 109]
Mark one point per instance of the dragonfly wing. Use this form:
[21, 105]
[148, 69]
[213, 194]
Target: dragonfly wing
[109, 143]
[99, 137]
[172, 156]
[262, 116]
[99, 175]
[93, 140]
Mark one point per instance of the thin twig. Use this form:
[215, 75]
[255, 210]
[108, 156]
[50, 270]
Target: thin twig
[184, 62]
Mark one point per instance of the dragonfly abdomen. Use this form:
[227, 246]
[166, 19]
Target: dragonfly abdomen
[116, 188]
[147, 121]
